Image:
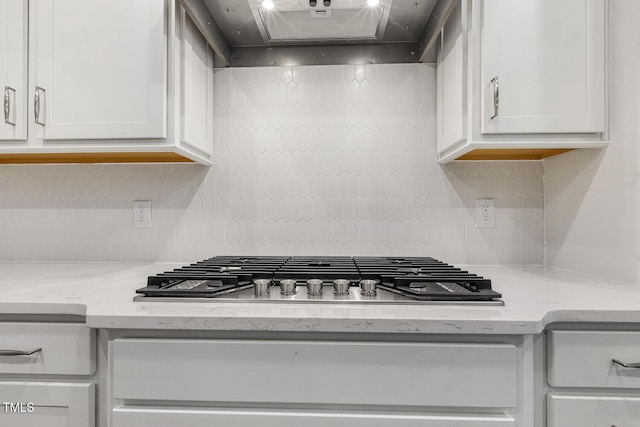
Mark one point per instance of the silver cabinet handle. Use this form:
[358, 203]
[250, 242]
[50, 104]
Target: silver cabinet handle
[36, 105]
[19, 352]
[626, 365]
[7, 105]
[496, 97]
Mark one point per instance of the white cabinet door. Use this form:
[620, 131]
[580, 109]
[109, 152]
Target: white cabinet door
[13, 69]
[196, 102]
[31, 404]
[586, 359]
[451, 80]
[548, 58]
[157, 417]
[592, 411]
[320, 372]
[100, 68]
[54, 349]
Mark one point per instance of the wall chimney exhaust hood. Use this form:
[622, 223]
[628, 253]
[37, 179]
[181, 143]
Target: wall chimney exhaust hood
[245, 33]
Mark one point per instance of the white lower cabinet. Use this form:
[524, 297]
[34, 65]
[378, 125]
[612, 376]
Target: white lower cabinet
[312, 383]
[586, 359]
[47, 404]
[200, 417]
[592, 411]
[46, 374]
[56, 349]
[604, 392]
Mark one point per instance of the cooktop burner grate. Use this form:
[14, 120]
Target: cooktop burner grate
[337, 279]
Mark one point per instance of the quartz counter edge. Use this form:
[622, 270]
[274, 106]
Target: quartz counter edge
[534, 297]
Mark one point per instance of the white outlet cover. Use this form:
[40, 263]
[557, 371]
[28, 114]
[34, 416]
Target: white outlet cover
[142, 214]
[485, 213]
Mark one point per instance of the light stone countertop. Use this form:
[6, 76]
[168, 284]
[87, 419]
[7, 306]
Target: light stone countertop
[103, 292]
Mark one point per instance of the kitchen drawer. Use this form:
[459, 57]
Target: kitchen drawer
[45, 404]
[592, 411]
[66, 349]
[202, 417]
[433, 374]
[584, 359]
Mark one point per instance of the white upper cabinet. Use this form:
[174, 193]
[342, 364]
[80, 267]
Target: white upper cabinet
[521, 79]
[545, 59]
[13, 69]
[196, 106]
[99, 68]
[451, 53]
[103, 81]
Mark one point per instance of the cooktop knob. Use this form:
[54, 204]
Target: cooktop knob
[314, 287]
[261, 287]
[368, 287]
[287, 287]
[341, 287]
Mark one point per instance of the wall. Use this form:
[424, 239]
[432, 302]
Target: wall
[335, 160]
[592, 197]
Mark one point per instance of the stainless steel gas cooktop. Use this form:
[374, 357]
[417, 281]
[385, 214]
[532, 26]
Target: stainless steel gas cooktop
[344, 280]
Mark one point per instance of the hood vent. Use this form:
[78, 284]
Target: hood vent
[295, 21]
[243, 33]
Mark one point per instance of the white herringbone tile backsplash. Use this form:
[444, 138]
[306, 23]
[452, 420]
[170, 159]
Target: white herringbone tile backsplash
[330, 160]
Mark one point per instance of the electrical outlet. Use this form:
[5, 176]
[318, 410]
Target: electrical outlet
[142, 214]
[485, 213]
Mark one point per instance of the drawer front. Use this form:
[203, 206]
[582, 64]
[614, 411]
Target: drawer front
[592, 411]
[44, 404]
[584, 359]
[471, 375]
[66, 349]
[154, 417]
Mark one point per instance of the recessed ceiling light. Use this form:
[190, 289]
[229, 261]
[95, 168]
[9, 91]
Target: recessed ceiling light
[267, 4]
[373, 3]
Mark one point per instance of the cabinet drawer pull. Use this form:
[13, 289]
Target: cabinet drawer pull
[7, 105]
[36, 105]
[626, 365]
[496, 97]
[19, 352]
